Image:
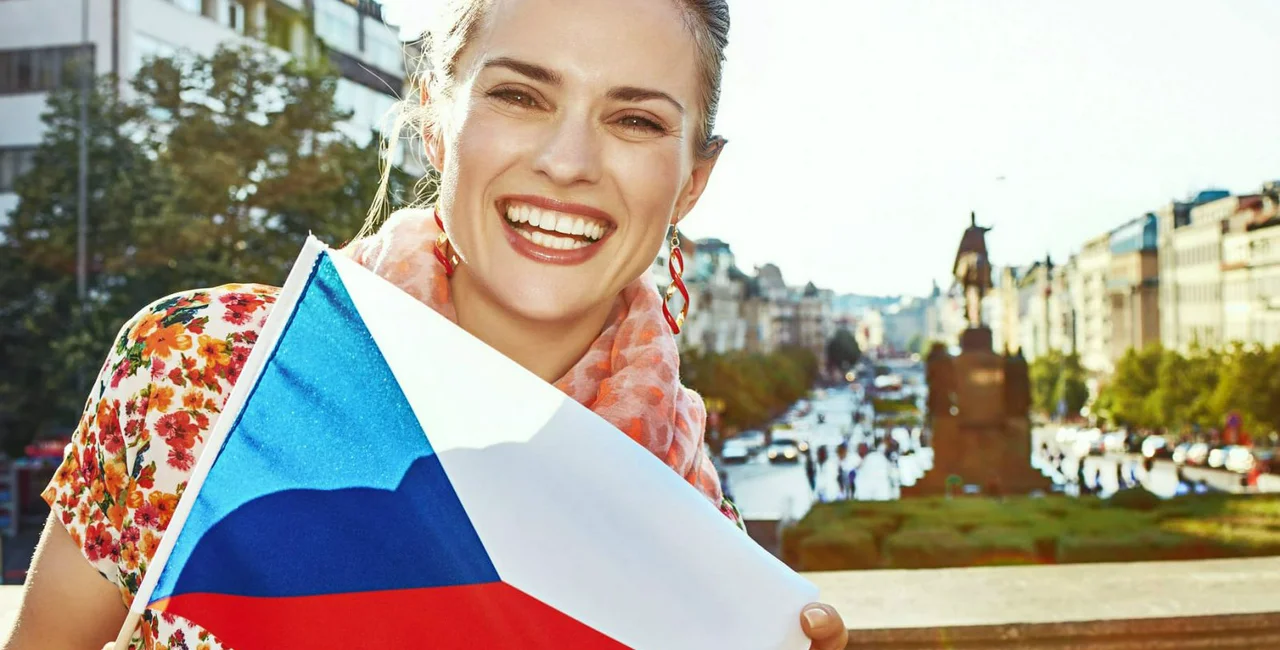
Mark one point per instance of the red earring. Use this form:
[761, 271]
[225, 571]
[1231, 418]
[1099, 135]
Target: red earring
[444, 252]
[675, 265]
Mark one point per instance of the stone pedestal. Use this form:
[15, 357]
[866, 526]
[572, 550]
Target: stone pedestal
[979, 421]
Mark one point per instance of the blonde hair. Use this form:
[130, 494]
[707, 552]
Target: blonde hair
[434, 69]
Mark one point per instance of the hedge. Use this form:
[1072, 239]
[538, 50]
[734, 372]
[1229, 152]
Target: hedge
[979, 531]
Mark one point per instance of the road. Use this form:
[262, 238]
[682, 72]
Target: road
[766, 491]
[763, 490]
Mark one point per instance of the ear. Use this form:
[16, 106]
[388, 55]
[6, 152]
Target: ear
[698, 179]
[431, 137]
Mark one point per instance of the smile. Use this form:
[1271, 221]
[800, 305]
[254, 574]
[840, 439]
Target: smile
[555, 229]
[554, 232]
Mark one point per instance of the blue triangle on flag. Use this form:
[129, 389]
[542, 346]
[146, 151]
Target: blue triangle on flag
[326, 483]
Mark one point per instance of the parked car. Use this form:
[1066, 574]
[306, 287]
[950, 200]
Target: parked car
[753, 439]
[1238, 459]
[784, 450]
[1198, 454]
[735, 452]
[1155, 447]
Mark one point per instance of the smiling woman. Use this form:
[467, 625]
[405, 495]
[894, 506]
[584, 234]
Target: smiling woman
[570, 137]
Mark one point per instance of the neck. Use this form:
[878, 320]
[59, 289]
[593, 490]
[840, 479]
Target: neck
[548, 349]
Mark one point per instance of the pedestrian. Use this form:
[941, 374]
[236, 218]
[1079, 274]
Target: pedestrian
[842, 458]
[534, 113]
[827, 479]
[810, 471]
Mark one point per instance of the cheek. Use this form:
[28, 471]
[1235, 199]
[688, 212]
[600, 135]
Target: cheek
[650, 180]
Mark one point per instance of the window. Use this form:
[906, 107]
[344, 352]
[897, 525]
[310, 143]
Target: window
[41, 69]
[14, 162]
[338, 24]
[231, 14]
[194, 6]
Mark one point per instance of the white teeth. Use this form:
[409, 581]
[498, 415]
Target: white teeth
[547, 222]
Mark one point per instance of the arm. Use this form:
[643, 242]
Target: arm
[66, 604]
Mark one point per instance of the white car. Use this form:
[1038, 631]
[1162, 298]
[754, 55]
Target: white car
[1152, 445]
[735, 452]
[1239, 459]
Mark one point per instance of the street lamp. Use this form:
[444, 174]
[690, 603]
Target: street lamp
[85, 65]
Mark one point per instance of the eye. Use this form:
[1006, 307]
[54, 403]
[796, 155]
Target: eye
[641, 124]
[515, 97]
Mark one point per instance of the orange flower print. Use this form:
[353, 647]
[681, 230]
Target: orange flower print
[164, 504]
[146, 326]
[116, 514]
[148, 543]
[161, 398]
[129, 555]
[214, 351]
[163, 342]
[192, 400]
[116, 476]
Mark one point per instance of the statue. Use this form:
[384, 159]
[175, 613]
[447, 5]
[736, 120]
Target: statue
[972, 270]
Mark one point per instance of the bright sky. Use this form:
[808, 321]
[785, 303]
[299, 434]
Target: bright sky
[863, 131]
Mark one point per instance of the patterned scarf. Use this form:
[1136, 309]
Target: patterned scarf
[629, 376]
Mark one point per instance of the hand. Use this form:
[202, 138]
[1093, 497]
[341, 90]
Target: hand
[823, 625]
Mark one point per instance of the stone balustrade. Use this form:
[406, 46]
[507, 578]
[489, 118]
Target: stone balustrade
[1148, 605]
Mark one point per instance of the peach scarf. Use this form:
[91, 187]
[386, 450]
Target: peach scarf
[629, 376]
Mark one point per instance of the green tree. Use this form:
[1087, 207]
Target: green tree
[1071, 391]
[1127, 394]
[51, 343]
[1044, 374]
[1250, 385]
[214, 169]
[1185, 385]
[842, 351]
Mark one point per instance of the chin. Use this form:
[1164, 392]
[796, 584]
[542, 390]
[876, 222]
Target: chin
[549, 303]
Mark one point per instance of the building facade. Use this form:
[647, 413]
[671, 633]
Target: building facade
[1094, 306]
[1133, 286]
[124, 33]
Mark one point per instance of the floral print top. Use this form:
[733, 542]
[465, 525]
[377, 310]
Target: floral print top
[163, 386]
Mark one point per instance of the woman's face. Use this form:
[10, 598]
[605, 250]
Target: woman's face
[567, 149]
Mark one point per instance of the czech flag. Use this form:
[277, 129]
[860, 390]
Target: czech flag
[380, 478]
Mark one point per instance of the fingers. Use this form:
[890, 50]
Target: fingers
[823, 625]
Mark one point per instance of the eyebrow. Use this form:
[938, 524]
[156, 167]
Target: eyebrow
[551, 77]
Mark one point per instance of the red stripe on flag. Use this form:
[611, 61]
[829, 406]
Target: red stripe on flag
[465, 617]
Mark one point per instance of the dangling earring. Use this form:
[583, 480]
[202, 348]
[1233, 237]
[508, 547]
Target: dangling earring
[675, 265]
[444, 252]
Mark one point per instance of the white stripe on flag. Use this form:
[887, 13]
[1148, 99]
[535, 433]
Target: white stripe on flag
[570, 510]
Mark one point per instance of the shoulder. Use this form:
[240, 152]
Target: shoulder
[161, 388]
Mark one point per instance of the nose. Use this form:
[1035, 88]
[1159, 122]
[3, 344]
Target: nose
[571, 153]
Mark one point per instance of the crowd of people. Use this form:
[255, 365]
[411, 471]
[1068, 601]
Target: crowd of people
[867, 470]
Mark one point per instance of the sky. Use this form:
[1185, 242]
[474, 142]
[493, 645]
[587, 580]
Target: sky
[862, 132]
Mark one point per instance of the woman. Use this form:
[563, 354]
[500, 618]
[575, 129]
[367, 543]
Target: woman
[570, 135]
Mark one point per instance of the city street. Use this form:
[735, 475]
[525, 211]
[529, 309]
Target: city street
[764, 490]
